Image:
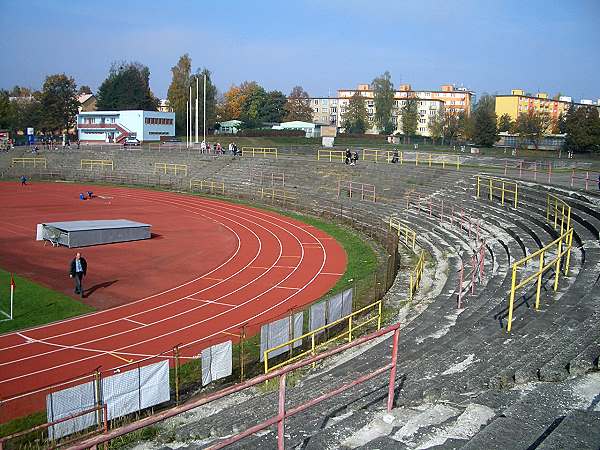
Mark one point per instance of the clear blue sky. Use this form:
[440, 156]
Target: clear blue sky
[323, 45]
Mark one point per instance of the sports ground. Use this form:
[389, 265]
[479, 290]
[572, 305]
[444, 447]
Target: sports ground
[210, 268]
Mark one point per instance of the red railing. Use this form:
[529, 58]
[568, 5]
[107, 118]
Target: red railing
[279, 419]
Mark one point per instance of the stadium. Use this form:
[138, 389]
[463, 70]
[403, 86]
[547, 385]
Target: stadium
[475, 328]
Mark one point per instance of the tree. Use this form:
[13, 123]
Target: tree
[178, 93]
[532, 126]
[410, 118]
[466, 126]
[383, 91]
[211, 99]
[504, 123]
[355, 119]
[20, 91]
[6, 111]
[252, 107]
[84, 89]
[127, 87]
[583, 129]
[451, 125]
[436, 126]
[274, 107]
[297, 106]
[59, 103]
[231, 106]
[484, 120]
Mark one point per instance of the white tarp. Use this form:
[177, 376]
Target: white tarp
[334, 308]
[136, 389]
[216, 362]
[297, 328]
[347, 302]
[273, 334]
[71, 401]
[317, 316]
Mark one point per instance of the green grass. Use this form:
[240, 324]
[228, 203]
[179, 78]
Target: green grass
[35, 304]
[22, 423]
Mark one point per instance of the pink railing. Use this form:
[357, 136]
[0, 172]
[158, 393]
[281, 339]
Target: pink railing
[477, 268]
[283, 414]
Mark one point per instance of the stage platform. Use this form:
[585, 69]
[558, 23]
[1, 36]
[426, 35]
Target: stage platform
[83, 233]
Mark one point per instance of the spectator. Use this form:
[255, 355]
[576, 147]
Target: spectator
[203, 147]
[23, 180]
[348, 156]
[218, 149]
[78, 270]
[395, 156]
[355, 158]
[235, 150]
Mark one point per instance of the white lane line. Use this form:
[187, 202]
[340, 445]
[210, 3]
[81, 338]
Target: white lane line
[290, 288]
[134, 321]
[210, 301]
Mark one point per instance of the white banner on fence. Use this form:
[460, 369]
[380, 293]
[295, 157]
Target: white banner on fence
[334, 308]
[317, 316]
[273, 334]
[347, 302]
[71, 401]
[216, 362]
[136, 389]
[297, 328]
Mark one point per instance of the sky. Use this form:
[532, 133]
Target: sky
[322, 45]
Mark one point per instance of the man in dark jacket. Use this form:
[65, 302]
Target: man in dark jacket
[78, 271]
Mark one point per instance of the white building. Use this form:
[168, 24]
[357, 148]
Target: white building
[310, 129]
[229, 127]
[116, 126]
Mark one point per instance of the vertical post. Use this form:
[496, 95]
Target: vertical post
[416, 158]
[511, 301]
[491, 189]
[176, 355]
[12, 295]
[520, 168]
[362, 191]
[572, 177]
[505, 167]
[430, 160]
[98, 389]
[457, 162]
[338, 191]
[482, 260]
[474, 266]
[379, 306]
[204, 107]
[539, 281]
[535, 171]
[548, 208]
[281, 413]
[502, 193]
[587, 178]
[558, 258]
[196, 110]
[549, 171]
[569, 245]
[401, 158]
[242, 339]
[390, 402]
[442, 212]
[460, 284]
[516, 194]
[187, 125]
[350, 329]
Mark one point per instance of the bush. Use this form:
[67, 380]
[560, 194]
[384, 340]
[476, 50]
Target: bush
[256, 132]
[373, 137]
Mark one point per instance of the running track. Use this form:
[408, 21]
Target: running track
[266, 266]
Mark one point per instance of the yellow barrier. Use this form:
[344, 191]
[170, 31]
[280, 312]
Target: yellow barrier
[209, 185]
[276, 194]
[347, 334]
[259, 151]
[33, 161]
[410, 236]
[90, 164]
[330, 155]
[416, 275]
[175, 169]
[559, 214]
[498, 185]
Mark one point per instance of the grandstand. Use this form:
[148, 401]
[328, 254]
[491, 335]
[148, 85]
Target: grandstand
[463, 380]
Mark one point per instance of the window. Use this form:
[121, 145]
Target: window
[325, 110]
[316, 110]
[334, 109]
[422, 112]
[316, 101]
[422, 121]
[334, 101]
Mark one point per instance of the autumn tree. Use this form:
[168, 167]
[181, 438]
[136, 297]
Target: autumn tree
[59, 103]
[178, 93]
[355, 119]
[297, 106]
[410, 118]
[532, 126]
[383, 92]
[504, 123]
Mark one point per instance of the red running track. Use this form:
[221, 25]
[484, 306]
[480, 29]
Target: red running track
[210, 268]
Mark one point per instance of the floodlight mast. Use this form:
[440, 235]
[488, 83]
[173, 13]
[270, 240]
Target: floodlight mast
[196, 110]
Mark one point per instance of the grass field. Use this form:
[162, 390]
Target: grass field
[34, 304]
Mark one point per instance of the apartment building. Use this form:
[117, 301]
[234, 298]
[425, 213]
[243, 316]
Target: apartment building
[448, 98]
[519, 102]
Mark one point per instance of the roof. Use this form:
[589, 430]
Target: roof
[82, 98]
[84, 225]
[548, 100]
[231, 123]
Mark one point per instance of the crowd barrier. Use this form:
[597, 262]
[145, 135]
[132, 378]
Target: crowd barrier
[416, 275]
[91, 164]
[498, 185]
[277, 195]
[31, 161]
[410, 236]
[259, 151]
[210, 186]
[330, 155]
[367, 191]
[169, 168]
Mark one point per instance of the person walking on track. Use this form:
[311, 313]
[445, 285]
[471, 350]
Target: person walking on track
[78, 271]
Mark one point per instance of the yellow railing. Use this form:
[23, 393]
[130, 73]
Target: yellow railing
[330, 155]
[500, 186]
[259, 151]
[557, 211]
[561, 246]
[91, 164]
[276, 194]
[175, 169]
[35, 162]
[410, 236]
[312, 335]
[209, 185]
[390, 156]
[416, 275]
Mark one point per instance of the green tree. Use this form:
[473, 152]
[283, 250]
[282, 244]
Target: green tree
[355, 119]
[582, 125]
[255, 98]
[6, 111]
[297, 106]
[127, 87]
[504, 123]
[485, 130]
[178, 93]
[466, 126]
[383, 92]
[59, 103]
[20, 91]
[532, 126]
[410, 118]
[274, 107]
[451, 126]
[436, 126]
